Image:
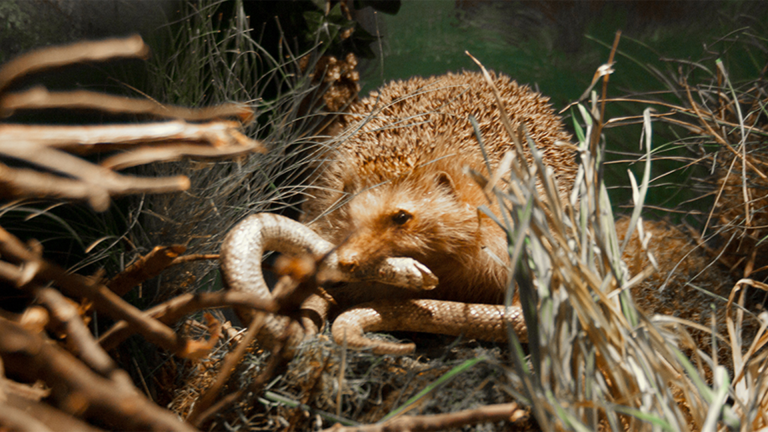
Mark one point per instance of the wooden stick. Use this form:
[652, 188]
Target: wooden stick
[77, 389]
[39, 97]
[48, 58]
[172, 310]
[485, 414]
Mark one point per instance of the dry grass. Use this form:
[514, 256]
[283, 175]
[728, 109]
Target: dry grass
[619, 310]
[608, 347]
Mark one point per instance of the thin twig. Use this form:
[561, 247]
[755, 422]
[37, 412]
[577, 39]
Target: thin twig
[200, 413]
[172, 152]
[17, 183]
[194, 257]
[39, 98]
[174, 309]
[55, 419]
[48, 58]
[86, 139]
[98, 179]
[14, 419]
[486, 414]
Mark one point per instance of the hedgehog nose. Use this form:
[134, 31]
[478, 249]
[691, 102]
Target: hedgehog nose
[348, 263]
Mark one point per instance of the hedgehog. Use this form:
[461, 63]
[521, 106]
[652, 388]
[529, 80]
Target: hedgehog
[395, 203]
[397, 184]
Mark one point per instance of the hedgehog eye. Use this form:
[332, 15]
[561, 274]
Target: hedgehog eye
[401, 217]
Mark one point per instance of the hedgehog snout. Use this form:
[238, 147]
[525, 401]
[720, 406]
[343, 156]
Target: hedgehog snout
[349, 261]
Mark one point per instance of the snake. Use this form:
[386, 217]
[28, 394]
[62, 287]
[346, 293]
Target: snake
[241, 258]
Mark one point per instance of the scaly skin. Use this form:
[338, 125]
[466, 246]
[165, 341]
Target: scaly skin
[473, 320]
[244, 246]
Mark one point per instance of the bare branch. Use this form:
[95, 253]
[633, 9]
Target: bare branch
[14, 419]
[103, 299]
[26, 183]
[488, 413]
[75, 388]
[48, 58]
[39, 97]
[86, 139]
[89, 173]
[53, 418]
[82, 180]
[172, 152]
[33, 319]
[48, 147]
[174, 309]
[66, 319]
[16, 183]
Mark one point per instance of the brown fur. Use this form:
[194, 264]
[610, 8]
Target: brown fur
[396, 187]
[688, 274]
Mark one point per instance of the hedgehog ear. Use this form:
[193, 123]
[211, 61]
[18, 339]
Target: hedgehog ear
[445, 181]
[350, 187]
